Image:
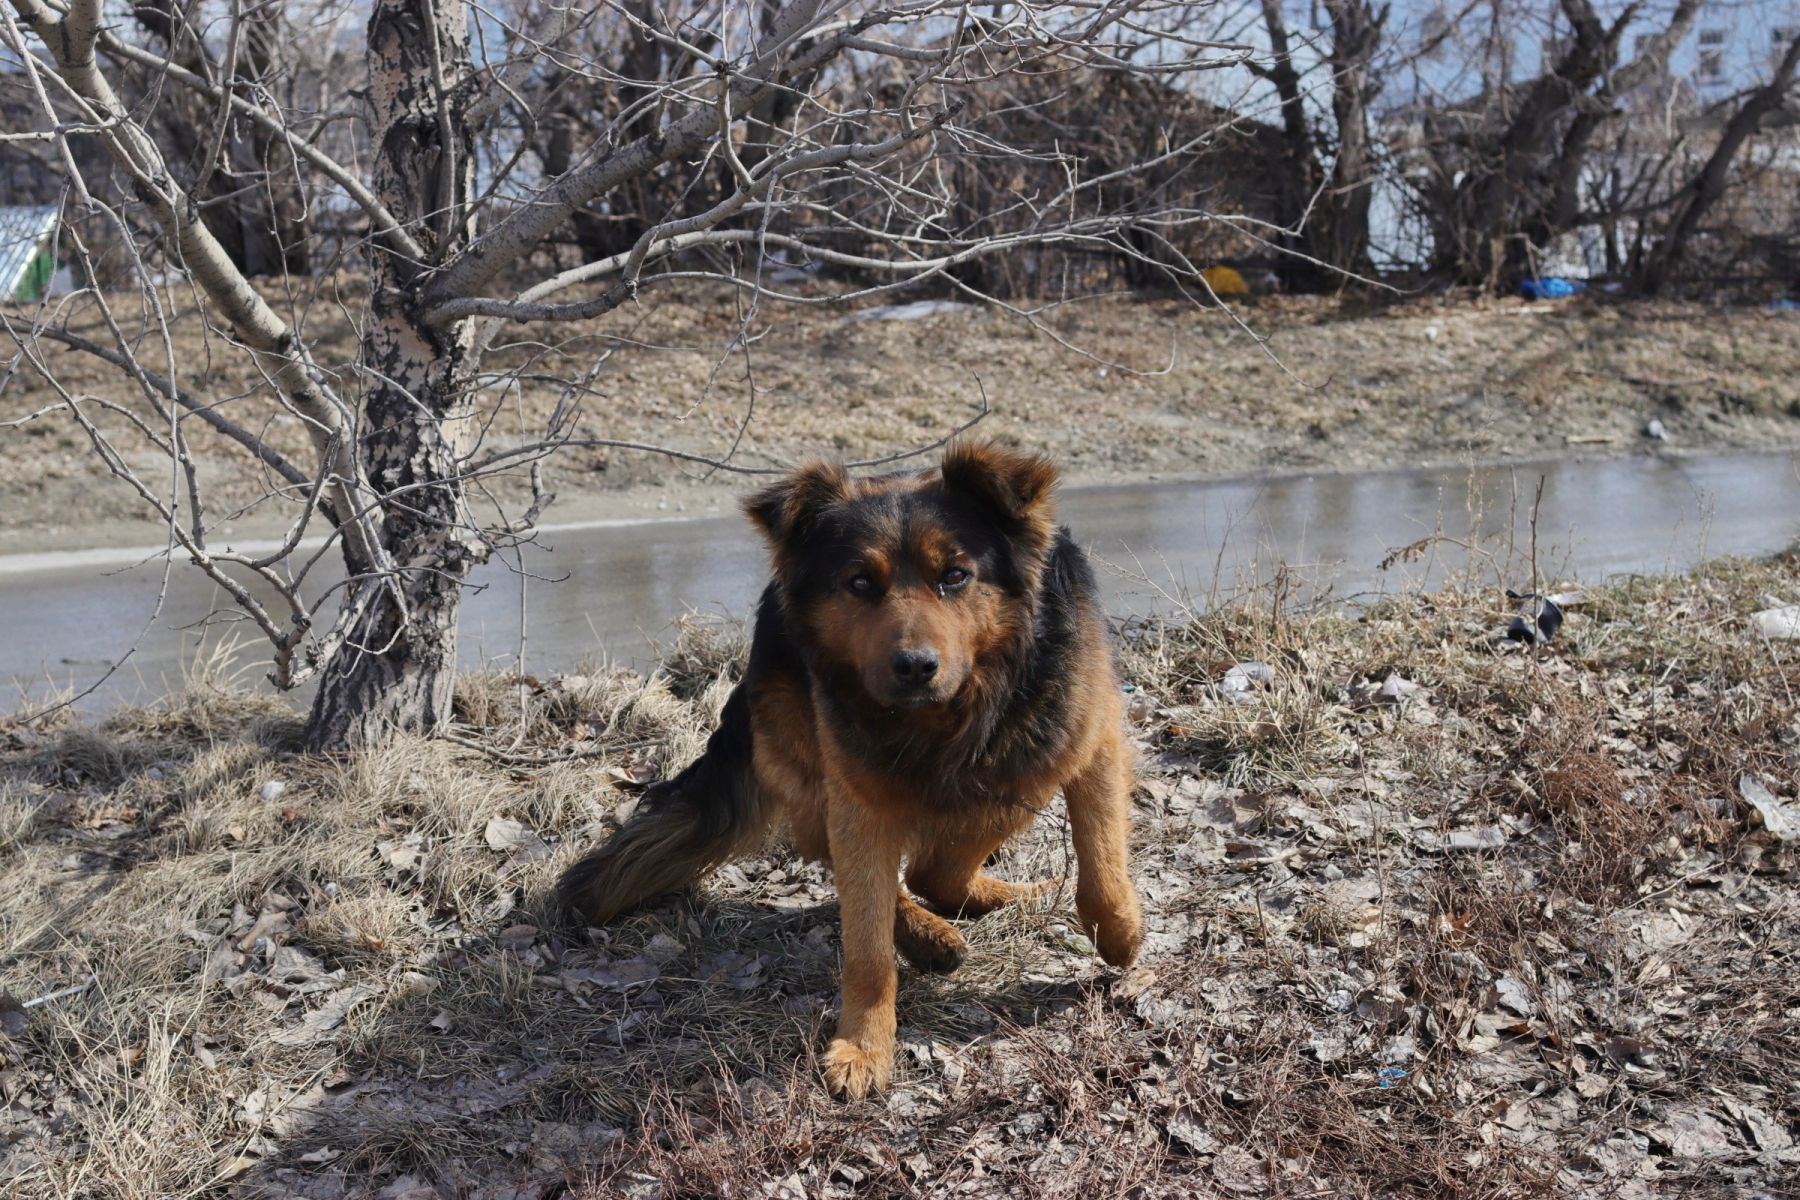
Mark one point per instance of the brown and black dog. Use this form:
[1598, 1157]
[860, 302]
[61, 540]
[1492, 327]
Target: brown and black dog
[929, 667]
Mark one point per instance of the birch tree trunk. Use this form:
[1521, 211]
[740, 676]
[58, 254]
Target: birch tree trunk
[398, 669]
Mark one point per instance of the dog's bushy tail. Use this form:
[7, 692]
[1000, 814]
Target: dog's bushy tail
[683, 828]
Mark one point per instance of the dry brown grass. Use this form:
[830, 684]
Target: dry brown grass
[1529, 886]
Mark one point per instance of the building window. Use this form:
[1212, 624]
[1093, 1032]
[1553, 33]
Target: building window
[1712, 56]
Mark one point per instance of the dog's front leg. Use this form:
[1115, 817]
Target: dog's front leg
[1100, 820]
[865, 857]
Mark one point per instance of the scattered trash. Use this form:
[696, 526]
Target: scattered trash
[1225, 281]
[1431, 333]
[1240, 681]
[1784, 304]
[1553, 287]
[73, 989]
[1395, 688]
[1389, 1076]
[1778, 623]
[1780, 817]
[1487, 837]
[1654, 429]
[1538, 618]
[913, 311]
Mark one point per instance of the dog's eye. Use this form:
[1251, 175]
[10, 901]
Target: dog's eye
[861, 585]
[954, 578]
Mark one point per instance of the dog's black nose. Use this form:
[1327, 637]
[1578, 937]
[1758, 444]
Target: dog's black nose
[915, 667]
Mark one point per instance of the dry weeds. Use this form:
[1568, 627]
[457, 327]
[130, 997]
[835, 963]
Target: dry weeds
[1429, 917]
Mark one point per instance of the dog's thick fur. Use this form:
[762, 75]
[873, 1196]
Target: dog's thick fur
[929, 666]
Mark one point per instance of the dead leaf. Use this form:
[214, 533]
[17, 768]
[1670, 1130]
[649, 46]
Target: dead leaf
[1184, 1127]
[407, 1187]
[1770, 1135]
[1514, 995]
[1693, 1133]
[317, 1025]
[612, 976]
[403, 855]
[1237, 1170]
[1779, 817]
[509, 836]
[12, 1016]
[633, 776]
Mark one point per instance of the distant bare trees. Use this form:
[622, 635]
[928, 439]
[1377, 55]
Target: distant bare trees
[1505, 171]
[1697, 196]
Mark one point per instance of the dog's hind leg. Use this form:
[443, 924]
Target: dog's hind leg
[949, 877]
[1100, 820]
[926, 940]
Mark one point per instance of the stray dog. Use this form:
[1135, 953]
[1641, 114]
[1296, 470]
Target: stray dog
[929, 667]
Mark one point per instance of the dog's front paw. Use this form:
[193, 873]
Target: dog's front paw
[852, 1071]
[1117, 931]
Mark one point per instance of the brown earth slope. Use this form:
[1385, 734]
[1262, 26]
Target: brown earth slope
[1115, 388]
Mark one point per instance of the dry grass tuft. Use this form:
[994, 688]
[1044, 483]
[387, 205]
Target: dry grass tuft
[1428, 916]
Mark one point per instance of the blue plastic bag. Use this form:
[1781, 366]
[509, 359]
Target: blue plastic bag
[1555, 287]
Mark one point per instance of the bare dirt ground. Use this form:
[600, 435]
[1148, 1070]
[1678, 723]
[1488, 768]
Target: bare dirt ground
[1430, 916]
[1116, 388]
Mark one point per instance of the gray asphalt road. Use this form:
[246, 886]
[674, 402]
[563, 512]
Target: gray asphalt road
[607, 590]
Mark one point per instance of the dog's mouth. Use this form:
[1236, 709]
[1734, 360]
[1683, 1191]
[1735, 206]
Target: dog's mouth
[911, 699]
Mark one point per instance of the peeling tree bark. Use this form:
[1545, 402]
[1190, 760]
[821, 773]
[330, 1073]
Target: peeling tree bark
[398, 671]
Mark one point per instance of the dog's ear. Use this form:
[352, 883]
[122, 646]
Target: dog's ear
[788, 510]
[1018, 488]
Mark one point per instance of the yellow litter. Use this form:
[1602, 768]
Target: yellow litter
[1225, 281]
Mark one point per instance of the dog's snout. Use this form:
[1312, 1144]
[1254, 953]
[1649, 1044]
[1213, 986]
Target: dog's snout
[915, 667]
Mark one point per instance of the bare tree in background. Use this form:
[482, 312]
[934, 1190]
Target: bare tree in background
[707, 140]
[1505, 166]
[1696, 197]
[1325, 208]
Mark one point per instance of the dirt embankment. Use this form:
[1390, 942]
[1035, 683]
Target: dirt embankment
[1427, 917]
[1116, 389]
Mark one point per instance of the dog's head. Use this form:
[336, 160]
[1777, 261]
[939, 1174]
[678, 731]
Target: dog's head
[911, 582]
